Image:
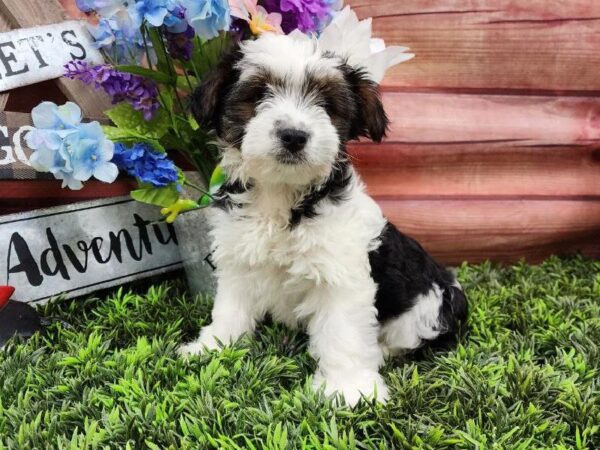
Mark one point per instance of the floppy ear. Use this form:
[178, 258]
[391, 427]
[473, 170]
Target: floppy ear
[207, 99]
[370, 119]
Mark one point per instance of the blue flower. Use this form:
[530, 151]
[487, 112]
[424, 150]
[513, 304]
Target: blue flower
[146, 164]
[86, 5]
[208, 17]
[175, 21]
[153, 11]
[72, 151]
[102, 33]
[121, 48]
[91, 153]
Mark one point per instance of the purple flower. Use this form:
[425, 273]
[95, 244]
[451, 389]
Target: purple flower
[180, 45]
[121, 86]
[306, 15]
[146, 164]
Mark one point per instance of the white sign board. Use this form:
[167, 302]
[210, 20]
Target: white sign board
[31, 55]
[77, 249]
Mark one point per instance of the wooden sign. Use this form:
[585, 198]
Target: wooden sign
[30, 55]
[23, 14]
[76, 249]
[14, 153]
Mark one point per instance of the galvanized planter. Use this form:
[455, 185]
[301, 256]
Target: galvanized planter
[195, 247]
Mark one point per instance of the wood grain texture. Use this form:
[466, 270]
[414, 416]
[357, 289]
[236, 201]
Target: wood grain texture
[532, 45]
[30, 13]
[4, 26]
[502, 230]
[524, 120]
[19, 195]
[469, 170]
[442, 144]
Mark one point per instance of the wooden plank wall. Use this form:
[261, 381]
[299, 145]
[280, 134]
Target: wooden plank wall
[494, 148]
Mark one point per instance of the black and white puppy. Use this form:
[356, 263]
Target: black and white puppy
[295, 234]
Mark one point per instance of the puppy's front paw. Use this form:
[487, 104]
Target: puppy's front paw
[191, 349]
[205, 342]
[353, 386]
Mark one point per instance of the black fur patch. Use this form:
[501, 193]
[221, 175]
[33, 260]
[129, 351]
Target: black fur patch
[207, 99]
[338, 100]
[403, 270]
[371, 120]
[334, 190]
[223, 200]
[240, 103]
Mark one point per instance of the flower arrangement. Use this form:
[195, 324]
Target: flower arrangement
[157, 52]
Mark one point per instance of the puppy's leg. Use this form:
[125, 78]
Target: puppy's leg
[233, 314]
[343, 331]
[434, 319]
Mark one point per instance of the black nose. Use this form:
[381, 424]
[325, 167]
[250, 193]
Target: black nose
[292, 140]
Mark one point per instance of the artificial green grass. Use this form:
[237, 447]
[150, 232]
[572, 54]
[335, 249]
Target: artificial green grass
[526, 376]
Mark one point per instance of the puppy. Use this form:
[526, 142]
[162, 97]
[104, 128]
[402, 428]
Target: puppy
[295, 234]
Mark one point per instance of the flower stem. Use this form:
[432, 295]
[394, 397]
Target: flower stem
[198, 188]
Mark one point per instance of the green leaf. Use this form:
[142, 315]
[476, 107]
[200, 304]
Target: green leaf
[117, 134]
[206, 54]
[186, 84]
[130, 120]
[163, 196]
[193, 122]
[159, 48]
[159, 77]
[130, 137]
[217, 179]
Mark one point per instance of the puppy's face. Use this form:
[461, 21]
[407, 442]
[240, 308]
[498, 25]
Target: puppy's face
[287, 109]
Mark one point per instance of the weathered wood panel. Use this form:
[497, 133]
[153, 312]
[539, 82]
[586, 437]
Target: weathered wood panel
[491, 44]
[19, 195]
[460, 144]
[503, 230]
[531, 120]
[4, 26]
[494, 170]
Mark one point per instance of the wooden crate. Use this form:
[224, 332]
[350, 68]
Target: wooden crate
[494, 148]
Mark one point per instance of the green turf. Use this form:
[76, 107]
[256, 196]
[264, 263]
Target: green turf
[525, 377]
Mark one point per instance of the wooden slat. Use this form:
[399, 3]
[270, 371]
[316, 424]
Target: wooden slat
[523, 120]
[32, 13]
[71, 9]
[491, 44]
[4, 26]
[491, 170]
[26, 195]
[502, 230]
[492, 145]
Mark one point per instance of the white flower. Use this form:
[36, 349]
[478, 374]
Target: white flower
[350, 38]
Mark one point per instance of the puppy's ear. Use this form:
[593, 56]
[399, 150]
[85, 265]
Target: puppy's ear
[207, 99]
[370, 119]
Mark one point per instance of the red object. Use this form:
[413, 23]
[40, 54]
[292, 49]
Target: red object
[5, 293]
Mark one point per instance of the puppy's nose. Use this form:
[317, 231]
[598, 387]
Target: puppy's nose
[293, 140]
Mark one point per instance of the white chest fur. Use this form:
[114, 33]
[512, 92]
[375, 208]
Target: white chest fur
[331, 248]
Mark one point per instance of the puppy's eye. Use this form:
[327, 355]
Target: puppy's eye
[329, 106]
[254, 95]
